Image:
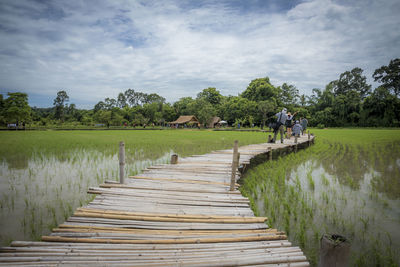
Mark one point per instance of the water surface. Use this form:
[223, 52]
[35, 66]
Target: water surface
[40, 192]
[349, 190]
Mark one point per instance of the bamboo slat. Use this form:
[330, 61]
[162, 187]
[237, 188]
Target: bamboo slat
[152, 195]
[177, 218]
[192, 216]
[167, 189]
[182, 180]
[163, 241]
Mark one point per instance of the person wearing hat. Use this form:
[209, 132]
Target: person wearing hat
[281, 120]
[297, 129]
[289, 124]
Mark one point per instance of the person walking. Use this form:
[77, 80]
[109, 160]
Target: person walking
[303, 123]
[289, 124]
[280, 122]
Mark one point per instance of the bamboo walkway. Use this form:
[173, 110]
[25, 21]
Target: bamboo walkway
[170, 215]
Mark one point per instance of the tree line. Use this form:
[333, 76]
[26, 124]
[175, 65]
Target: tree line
[345, 102]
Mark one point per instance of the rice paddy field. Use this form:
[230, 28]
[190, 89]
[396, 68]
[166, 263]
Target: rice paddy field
[44, 175]
[348, 183]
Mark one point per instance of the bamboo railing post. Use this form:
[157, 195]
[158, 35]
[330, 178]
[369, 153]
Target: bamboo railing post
[270, 153]
[295, 141]
[269, 138]
[235, 160]
[309, 142]
[174, 159]
[121, 162]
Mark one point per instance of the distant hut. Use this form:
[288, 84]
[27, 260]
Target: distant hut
[214, 122]
[189, 120]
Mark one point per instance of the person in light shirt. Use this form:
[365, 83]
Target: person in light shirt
[297, 129]
[281, 120]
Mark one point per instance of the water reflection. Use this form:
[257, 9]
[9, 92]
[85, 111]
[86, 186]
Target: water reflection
[38, 193]
[334, 188]
[350, 164]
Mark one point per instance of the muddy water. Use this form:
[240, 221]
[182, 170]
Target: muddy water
[38, 193]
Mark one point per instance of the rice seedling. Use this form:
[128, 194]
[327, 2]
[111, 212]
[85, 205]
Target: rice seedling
[310, 180]
[335, 206]
[325, 180]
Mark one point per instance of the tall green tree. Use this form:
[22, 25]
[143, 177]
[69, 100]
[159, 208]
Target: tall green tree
[2, 118]
[1, 102]
[266, 108]
[152, 111]
[131, 97]
[110, 103]
[289, 95]
[389, 76]
[203, 110]
[121, 100]
[352, 81]
[59, 103]
[16, 108]
[99, 106]
[381, 109]
[211, 95]
[104, 116]
[303, 100]
[168, 112]
[152, 98]
[238, 108]
[261, 89]
[184, 106]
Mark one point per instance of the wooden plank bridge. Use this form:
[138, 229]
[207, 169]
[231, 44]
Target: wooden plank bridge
[184, 214]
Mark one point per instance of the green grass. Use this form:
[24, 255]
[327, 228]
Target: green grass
[323, 189]
[20, 145]
[357, 136]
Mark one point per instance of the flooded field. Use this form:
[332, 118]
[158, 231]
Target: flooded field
[44, 193]
[44, 175]
[340, 187]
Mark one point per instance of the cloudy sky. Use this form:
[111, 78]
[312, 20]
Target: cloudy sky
[96, 49]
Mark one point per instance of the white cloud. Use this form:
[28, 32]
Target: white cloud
[97, 51]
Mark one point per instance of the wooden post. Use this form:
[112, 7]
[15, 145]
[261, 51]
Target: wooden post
[234, 165]
[121, 162]
[269, 138]
[334, 251]
[270, 153]
[309, 135]
[295, 141]
[174, 159]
